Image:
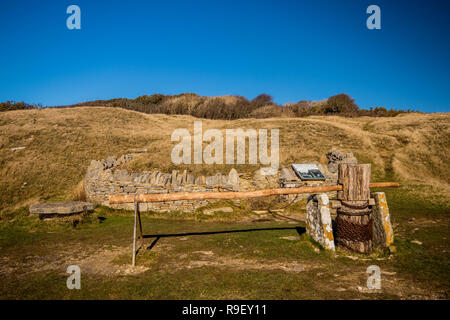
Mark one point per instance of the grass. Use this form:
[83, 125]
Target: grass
[195, 258]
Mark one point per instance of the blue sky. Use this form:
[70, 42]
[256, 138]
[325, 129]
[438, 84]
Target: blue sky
[293, 50]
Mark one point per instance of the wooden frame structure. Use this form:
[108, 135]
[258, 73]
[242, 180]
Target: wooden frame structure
[353, 192]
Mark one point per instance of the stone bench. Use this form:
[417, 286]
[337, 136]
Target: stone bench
[60, 209]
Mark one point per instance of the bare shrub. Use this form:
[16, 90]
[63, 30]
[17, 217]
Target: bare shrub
[232, 107]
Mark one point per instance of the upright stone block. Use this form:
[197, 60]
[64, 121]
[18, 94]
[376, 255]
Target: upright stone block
[318, 220]
[383, 233]
[174, 177]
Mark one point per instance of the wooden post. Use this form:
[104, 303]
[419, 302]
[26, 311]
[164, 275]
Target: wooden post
[133, 258]
[141, 236]
[353, 222]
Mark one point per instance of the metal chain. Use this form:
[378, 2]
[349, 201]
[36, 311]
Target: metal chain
[353, 231]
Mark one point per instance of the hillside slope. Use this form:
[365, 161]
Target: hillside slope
[60, 143]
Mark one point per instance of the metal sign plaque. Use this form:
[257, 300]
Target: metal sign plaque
[308, 171]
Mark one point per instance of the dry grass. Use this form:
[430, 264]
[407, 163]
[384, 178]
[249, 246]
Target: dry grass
[60, 143]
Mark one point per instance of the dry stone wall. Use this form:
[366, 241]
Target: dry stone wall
[104, 178]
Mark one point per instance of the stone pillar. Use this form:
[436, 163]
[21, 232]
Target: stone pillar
[318, 220]
[383, 233]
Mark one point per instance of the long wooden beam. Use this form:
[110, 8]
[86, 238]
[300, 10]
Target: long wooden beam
[159, 197]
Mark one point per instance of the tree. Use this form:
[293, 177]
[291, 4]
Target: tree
[341, 104]
[262, 100]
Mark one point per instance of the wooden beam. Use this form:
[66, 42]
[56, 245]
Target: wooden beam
[336, 204]
[159, 197]
[384, 185]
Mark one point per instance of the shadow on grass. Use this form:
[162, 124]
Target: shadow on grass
[300, 231]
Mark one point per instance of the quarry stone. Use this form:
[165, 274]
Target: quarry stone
[153, 177]
[60, 208]
[233, 177]
[213, 210]
[383, 233]
[318, 220]
[109, 162]
[335, 157]
[174, 177]
[190, 179]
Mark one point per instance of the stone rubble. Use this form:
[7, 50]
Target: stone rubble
[335, 157]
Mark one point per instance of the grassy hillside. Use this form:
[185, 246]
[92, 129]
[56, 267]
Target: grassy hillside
[227, 255]
[60, 143]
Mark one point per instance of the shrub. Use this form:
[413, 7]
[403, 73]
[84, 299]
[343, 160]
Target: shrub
[12, 105]
[229, 107]
[262, 100]
[269, 111]
[341, 104]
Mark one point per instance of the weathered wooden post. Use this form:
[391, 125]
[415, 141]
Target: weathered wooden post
[133, 257]
[353, 221]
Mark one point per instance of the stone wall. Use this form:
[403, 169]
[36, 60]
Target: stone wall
[104, 178]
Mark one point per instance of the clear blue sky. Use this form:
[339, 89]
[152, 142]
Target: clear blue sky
[292, 50]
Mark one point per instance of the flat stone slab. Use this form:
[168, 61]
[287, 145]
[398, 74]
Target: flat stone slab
[61, 208]
[213, 210]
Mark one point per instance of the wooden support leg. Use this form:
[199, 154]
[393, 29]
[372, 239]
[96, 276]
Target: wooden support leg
[141, 236]
[133, 258]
